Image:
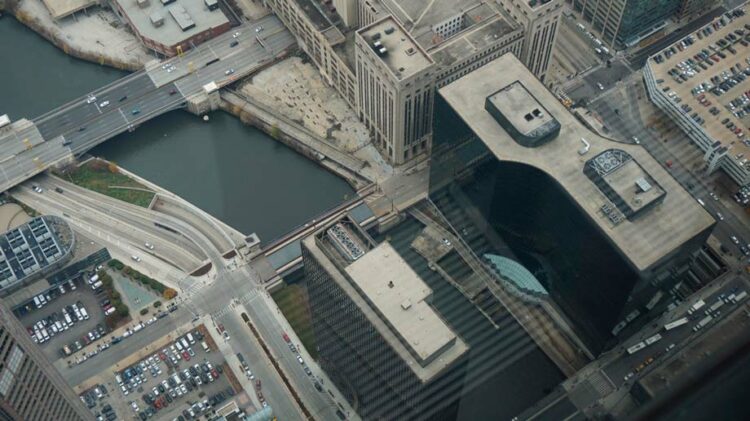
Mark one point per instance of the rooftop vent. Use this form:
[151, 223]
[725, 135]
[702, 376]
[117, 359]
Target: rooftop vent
[389, 30]
[410, 51]
[375, 36]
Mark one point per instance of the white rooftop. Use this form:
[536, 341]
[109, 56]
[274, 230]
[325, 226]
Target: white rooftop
[643, 241]
[398, 294]
[403, 56]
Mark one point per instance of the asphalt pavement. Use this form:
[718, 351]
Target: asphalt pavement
[81, 124]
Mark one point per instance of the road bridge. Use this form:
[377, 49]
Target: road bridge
[30, 147]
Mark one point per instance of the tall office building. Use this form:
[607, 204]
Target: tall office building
[622, 23]
[395, 85]
[540, 19]
[30, 388]
[452, 37]
[691, 9]
[347, 9]
[379, 337]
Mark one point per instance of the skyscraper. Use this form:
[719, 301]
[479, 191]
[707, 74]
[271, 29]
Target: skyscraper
[539, 19]
[622, 23]
[30, 388]
[395, 84]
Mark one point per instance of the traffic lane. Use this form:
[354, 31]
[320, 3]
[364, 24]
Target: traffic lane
[272, 387]
[608, 76]
[82, 100]
[270, 330]
[627, 363]
[83, 111]
[113, 108]
[135, 237]
[204, 53]
[133, 344]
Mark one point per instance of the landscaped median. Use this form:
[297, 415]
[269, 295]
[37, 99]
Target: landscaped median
[122, 312]
[104, 177]
[134, 275]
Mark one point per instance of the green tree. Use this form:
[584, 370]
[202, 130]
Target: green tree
[144, 311]
[157, 304]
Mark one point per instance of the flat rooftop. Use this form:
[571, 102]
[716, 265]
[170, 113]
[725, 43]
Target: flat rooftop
[481, 34]
[397, 293]
[723, 68]
[633, 185]
[419, 15]
[61, 8]
[170, 32]
[643, 241]
[404, 57]
[394, 299]
[521, 109]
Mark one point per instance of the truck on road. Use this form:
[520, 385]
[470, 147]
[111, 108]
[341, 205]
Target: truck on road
[653, 339]
[697, 306]
[676, 323]
[637, 347]
[704, 321]
[715, 306]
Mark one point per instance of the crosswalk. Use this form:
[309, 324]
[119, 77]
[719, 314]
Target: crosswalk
[242, 300]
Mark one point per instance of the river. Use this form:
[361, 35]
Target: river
[236, 173]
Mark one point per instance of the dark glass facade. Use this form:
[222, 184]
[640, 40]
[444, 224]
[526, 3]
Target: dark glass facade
[502, 373]
[517, 211]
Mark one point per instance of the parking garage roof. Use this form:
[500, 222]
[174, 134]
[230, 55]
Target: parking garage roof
[644, 241]
[683, 89]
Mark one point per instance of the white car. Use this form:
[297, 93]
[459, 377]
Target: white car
[135, 258]
[720, 216]
[258, 29]
[91, 100]
[236, 34]
[103, 104]
[149, 246]
[229, 71]
[299, 358]
[735, 240]
[600, 86]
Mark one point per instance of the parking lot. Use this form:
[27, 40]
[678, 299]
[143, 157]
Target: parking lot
[177, 382]
[98, 400]
[52, 313]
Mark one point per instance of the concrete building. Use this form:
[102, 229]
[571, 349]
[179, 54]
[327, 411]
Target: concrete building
[623, 23]
[395, 84]
[701, 84]
[535, 170]
[379, 338]
[540, 19]
[169, 28]
[30, 387]
[457, 36]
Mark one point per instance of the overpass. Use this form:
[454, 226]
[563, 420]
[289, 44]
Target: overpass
[30, 147]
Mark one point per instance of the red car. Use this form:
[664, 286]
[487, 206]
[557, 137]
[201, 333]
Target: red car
[286, 337]
[162, 356]
[185, 355]
[215, 373]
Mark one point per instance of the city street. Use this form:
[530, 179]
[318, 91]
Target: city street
[620, 110]
[83, 123]
[228, 285]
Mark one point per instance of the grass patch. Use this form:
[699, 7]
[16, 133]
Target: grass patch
[105, 178]
[292, 300]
